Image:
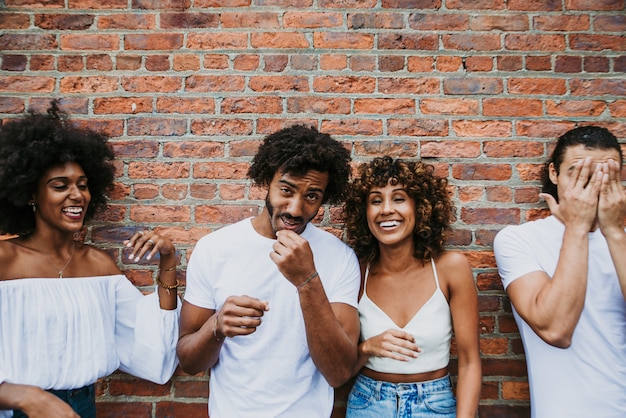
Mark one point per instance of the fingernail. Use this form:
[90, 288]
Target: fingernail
[136, 259]
[148, 257]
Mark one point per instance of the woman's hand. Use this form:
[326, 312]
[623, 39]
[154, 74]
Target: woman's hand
[35, 402]
[395, 344]
[149, 242]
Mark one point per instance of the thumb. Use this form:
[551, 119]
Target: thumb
[551, 202]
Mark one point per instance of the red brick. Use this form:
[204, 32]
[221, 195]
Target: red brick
[472, 86]
[333, 62]
[311, 20]
[162, 4]
[529, 172]
[377, 148]
[71, 63]
[571, 108]
[220, 170]
[93, 84]
[41, 62]
[483, 171]
[261, 20]
[328, 84]
[596, 64]
[542, 128]
[482, 128]
[526, 194]
[470, 193]
[181, 409]
[508, 22]
[318, 105]
[186, 62]
[465, 42]
[568, 64]
[610, 23]
[232, 191]
[279, 83]
[129, 21]
[540, 86]
[417, 127]
[360, 4]
[561, 23]
[195, 149]
[99, 62]
[475, 5]
[151, 84]
[135, 409]
[135, 149]
[363, 63]
[216, 61]
[239, 105]
[618, 108]
[535, 5]
[145, 191]
[587, 42]
[597, 87]
[538, 63]
[185, 105]
[404, 41]
[159, 63]
[374, 21]
[156, 126]
[513, 149]
[154, 170]
[12, 42]
[279, 40]
[11, 105]
[494, 346]
[384, 106]
[353, 127]
[14, 20]
[212, 40]
[223, 214]
[160, 214]
[450, 149]
[14, 62]
[478, 63]
[188, 20]
[509, 63]
[246, 62]
[449, 63]
[595, 5]
[203, 84]
[527, 42]
[221, 126]
[115, 105]
[512, 107]
[515, 390]
[439, 21]
[82, 42]
[64, 21]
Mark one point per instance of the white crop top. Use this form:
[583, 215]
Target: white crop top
[431, 326]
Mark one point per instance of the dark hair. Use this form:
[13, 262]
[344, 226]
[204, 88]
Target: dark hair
[433, 207]
[592, 137]
[299, 149]
[30, 146]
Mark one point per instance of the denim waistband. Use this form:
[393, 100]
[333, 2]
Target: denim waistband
[67, 394]
[429, 386]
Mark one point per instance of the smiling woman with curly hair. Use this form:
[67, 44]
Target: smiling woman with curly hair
[414, 295]
[69, 316]
[433, 206]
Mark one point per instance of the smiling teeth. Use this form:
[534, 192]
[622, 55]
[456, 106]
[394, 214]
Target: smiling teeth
[389, 223]
[73, 210]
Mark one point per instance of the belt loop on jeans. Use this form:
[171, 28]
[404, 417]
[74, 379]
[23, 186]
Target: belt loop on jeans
[379, 389]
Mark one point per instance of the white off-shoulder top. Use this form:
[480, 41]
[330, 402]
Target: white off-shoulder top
[67, 333]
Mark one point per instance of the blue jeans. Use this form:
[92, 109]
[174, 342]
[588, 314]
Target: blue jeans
[82, 401]
[371, 398]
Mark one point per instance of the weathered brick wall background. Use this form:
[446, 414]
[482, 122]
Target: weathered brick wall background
[187, 88]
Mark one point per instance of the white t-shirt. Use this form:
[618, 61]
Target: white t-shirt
[67, 333]
[587, 379]
[269, 373]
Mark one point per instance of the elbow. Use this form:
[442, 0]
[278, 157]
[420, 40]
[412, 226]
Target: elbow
[557, 339]
[339, 378]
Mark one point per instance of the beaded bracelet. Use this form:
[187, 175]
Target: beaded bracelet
[168, 269]
[167, 287]
[311, 277]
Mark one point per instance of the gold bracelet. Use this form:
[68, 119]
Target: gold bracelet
[168, 269]
[167, 287]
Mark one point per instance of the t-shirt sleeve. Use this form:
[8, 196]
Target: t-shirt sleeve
[514, 255]
[198, 289]
[348, 278]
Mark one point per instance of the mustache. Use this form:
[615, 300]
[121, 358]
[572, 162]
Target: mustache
[286, 215]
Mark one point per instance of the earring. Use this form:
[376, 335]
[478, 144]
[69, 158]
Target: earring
[32, 205]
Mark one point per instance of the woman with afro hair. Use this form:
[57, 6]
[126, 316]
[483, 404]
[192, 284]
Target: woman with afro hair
[67, 314]
[414, 296]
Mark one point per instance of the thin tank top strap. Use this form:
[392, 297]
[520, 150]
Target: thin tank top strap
[432, 262]
[367, 273]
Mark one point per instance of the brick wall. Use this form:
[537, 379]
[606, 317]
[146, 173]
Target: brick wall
[187, 88]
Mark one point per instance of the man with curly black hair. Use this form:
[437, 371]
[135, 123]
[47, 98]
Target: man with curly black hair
[270, 305]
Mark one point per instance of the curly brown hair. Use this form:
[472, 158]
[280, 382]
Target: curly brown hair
[30, 146]
[433, 207]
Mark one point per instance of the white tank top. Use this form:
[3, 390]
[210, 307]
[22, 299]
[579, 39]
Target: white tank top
[431, 326]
